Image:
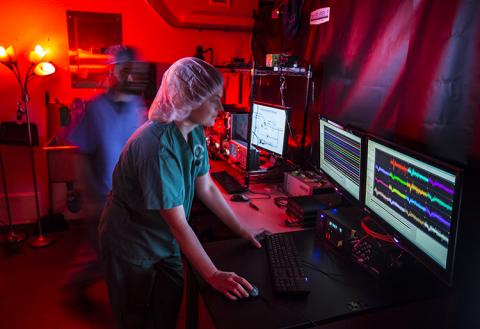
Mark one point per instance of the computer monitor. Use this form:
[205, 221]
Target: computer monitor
[269, 127]
[419, 198]
[239, 126]
[341, 156]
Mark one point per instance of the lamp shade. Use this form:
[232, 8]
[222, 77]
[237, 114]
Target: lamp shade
[3, 53]
[37, 54]
[7, 55]
[44, 69]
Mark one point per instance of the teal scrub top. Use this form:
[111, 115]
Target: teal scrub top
[156, 170]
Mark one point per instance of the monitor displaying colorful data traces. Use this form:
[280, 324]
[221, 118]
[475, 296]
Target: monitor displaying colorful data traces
[419, 198]
[341, 156]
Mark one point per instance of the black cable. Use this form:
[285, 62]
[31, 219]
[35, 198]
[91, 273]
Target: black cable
[332, 276]
[268, 196]
[314, 267]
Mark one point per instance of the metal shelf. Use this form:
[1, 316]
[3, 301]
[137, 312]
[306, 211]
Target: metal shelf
[286, 71]
[272, 71]
[233, 68]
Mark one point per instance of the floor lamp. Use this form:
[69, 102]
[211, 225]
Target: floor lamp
[37, 67]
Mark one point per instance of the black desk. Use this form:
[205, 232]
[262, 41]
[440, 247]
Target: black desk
[347, 292]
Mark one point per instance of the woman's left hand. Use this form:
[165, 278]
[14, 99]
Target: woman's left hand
[253, 235]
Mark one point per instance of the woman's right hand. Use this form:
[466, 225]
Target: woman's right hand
[230, 284]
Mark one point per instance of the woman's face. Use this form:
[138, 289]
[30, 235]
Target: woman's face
[206, 114]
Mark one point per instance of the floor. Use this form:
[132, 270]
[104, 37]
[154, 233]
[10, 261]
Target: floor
[32, 296]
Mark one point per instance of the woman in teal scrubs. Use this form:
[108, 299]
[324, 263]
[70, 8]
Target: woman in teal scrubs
[144, 226]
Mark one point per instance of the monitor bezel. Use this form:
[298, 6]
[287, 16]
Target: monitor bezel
[446, 275]
[349, 196]
[287, 111]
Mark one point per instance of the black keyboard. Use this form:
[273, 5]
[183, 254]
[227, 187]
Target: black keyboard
[286, 271]
[228, 182]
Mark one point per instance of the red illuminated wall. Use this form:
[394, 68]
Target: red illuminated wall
[25, 23]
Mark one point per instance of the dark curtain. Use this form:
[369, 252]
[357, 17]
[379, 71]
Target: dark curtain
[405, 70]
[408, 71]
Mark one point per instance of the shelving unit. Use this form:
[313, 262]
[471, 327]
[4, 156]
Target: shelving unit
[281, 73]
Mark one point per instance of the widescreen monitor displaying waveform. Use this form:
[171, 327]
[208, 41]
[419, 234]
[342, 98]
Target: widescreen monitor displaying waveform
[269, 127]
[419, 198]
[341, 156]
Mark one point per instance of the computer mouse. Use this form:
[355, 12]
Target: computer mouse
[254, 292]
[239, 198]
[261, 237]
